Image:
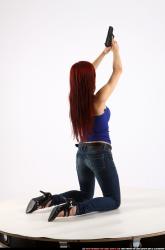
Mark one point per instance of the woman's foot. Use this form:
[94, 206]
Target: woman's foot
[69, 208]
[72, 212]
[39, 202]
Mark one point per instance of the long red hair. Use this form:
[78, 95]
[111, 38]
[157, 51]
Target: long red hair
[81, 97]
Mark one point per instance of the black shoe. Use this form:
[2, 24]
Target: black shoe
[66, 207]
[42, 201]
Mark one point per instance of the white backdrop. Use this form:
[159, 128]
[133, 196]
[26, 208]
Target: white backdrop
[39, 42]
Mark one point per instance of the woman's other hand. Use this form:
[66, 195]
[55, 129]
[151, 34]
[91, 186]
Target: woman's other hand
[107, 49]
[112, 48]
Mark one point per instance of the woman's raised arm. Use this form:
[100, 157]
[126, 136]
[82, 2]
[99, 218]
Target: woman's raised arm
[100, 57]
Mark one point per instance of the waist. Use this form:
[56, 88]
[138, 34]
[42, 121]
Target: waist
[103, 137]
[95, 144]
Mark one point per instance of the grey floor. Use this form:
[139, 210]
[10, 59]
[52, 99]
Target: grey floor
[2, 246]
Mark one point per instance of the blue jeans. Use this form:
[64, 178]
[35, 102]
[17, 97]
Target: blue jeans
[94, 161]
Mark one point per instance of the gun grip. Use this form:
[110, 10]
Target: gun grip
[109, 37]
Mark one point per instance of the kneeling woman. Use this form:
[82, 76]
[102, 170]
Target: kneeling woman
[89, 116]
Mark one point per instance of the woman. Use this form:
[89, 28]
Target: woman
[89, 116]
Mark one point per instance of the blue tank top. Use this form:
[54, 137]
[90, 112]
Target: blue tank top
[101, 128]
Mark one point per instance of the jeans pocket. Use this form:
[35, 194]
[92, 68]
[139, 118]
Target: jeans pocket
[108, 155]
[97, 161]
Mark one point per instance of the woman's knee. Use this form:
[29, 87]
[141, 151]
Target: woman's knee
[118, 203]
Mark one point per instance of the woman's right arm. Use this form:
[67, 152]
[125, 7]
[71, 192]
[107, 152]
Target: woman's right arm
[101, 56]
[98, 60]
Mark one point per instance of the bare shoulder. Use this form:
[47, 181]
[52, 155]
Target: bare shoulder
[98, 107]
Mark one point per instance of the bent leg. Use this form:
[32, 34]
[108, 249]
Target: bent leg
[86, 181]
[107, 177]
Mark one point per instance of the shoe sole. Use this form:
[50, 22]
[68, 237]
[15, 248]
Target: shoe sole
[31, 207]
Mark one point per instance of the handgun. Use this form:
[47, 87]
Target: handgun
[110, 35]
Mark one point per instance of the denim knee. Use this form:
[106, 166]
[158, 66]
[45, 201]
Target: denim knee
[118, 203]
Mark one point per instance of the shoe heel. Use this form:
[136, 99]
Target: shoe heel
[56, 210]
